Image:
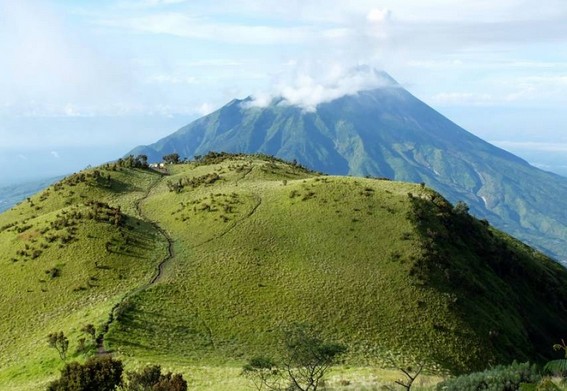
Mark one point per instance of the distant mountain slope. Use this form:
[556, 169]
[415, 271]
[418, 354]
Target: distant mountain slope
[10, 195]
[387, 132]
[206, 265]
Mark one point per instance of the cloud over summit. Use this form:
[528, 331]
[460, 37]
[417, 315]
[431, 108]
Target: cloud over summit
[309, 89]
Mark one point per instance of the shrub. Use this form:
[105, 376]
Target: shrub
[172, 158]
[98, 373]
[170, 382]
[150, 378]
[144, 379]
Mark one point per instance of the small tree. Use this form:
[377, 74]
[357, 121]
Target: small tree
[263, 373]
[142, 161]
[308, 357]
[410, 375]
[558, 366]
[172, 158]
[461, 208]
[59, 342]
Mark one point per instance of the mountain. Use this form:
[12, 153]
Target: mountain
[201, 268]
[387, 132]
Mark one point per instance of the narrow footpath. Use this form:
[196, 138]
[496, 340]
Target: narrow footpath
[169, 255]
[154, 279]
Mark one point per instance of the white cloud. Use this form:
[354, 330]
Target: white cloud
[183, 25]
[507, 90]
[171, 79]
[534, 64]
[435, 64]
[50, 64]
[205, 108]
[548, 80]
[379, 15]
[147, 4]
[462, 98]
[162, 2]
[71, 110]
[55, 154]
[213, 63]
[308, 90]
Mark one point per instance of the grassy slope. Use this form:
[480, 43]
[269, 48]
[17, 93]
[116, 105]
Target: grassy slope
[265, 245]
[312, 250]
[33, 303]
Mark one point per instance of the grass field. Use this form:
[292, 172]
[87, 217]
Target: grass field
[387, 268]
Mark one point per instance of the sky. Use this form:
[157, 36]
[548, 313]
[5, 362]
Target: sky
[83, 82]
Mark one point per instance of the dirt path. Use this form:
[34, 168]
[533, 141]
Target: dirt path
[155, 278]
[170, 251]
[170, 254]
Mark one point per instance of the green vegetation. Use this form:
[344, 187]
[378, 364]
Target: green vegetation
[558, 367]
[106, 374]
[499, 378]
[68, 254]
[101, 374]
[306, 359]
[59, 342]
[172, 158]
[150, 378]
[200, 269]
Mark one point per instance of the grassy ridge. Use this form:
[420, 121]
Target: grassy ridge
[390, 269]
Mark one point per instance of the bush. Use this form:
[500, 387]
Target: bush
[98, 373]
[105, 374]
[499, 378]
[150, 378]
[170, 382]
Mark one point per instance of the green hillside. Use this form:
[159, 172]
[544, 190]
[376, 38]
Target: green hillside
[388, 132]
[204, 266]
